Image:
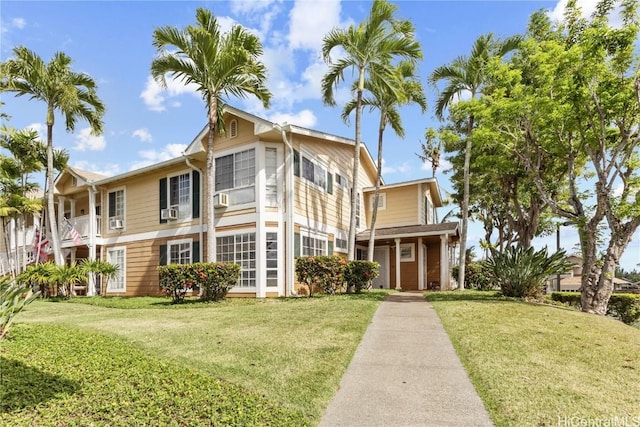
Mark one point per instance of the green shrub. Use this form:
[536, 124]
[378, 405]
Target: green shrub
[214, 278]
[476, 276]
[175, 281]
[625, 307]
[14, 297]
[569, 298]
[323, 272]
[359, 274]
[522, 272]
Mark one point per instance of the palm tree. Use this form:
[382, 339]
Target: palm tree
[71, 94]
[369, 49]
[467, 75]
[220, 65]
[403, 88]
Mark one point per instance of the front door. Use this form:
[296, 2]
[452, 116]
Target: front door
[381, 256]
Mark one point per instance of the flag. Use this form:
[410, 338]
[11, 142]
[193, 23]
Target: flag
[73, 233]
[40, 245]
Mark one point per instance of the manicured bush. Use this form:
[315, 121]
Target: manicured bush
[625, 307]
[523, 272]
[214, 278]
[359, 274]
[570, 298]
[476, 276]
[14, 297]
[323, 272]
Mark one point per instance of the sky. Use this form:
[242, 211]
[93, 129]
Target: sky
[145, 124]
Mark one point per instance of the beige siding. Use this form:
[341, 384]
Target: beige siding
[402, 207]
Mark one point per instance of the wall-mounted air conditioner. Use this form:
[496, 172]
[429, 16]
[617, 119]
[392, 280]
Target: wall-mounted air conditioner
[169, 213]
[221, 200]
[116, 224]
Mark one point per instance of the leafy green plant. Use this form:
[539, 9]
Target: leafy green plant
[476, 276]
[625, 307]
[322, 272]
[215, 279]
[521, 272]
[38, 275]
[359, 274]
[14, 297]
[175, 281]
[103, 269]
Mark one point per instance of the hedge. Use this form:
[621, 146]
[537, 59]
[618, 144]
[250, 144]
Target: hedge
[215, 279]
[331, 273]
[625, 307]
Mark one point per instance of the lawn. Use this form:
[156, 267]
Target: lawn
[238, 362]
[540, 365]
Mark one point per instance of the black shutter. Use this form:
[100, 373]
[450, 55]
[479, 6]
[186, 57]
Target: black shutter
[163, 198]
[195, 251]
[296, 244]
[330, 183]
[296, 163]
[163, 255]
[112, 204]
[195, 194]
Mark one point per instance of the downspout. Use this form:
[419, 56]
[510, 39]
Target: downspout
[201, 233]
[91, 286]
[288, 166]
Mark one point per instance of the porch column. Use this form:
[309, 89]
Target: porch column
[91, 283]
[60, 215]
[445, 278]
[72, 261]
[421, 265]
[72, 213]
[398, 275]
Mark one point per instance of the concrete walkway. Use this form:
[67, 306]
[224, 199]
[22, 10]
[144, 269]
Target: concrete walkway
[405, 372]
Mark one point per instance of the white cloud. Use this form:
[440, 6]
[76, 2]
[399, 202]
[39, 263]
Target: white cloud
[108, 169]
[310, 21]
[142, 134]
[18, 23]
[304, 118]
[154, 96]
[85, 141]
[587, 7]
[149, 157]
[245, 7]
[443, 166]
[41, 128]
[401, 168]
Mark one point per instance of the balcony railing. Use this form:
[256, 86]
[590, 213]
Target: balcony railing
[81, 224]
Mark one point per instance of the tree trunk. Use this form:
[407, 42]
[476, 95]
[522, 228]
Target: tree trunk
[376, 196]
[351, 244]
[53, 233]
[211, 181]
[465, 205]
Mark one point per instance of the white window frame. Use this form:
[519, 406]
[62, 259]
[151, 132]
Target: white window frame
[275, 252]
[316, 237]
[411, 257]
[233, 128]
[229, 190]
[340, 181]
[382, 201]
[122, 271]
[182, 217]
[124, 208]
[275, 185]
[341, 235]
[178, 242]
[257, 252]
[316, 162]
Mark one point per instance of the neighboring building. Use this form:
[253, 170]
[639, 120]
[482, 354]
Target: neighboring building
[282, 191]
[571, 282]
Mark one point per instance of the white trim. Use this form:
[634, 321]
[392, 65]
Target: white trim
[316, 235]
[124, 210]
[316, 160]
[233, 132]
[187, 171]
[179, 242]
[258, 166]
[246, 289]
[382, 201]
[123, 270]
[412, 254]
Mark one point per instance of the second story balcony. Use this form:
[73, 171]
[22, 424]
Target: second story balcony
[82, 225]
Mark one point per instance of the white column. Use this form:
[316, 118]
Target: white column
[60, 215]
[73, 208]
[91, 285]
[398, 275]
[421, 265]
[444, 263]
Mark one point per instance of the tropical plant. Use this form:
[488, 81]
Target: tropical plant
[219, 65]
[466, 76]
[72, 94]
[522, 272]
[65, 277]
[38, 275]
[360, 273]
[322, 272]
[14, 297]
[369, 49]
[104, 270]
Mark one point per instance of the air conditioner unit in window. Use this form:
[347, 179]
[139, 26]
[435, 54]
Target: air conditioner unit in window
[116, 224]
[169, 214]
[221, 200]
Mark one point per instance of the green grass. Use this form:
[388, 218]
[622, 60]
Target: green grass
[293, 352]
[537, 365]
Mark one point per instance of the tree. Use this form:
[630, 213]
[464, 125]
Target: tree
[220, 65]
[71, 94]
[369, 49]
[467, 75]
[402, 88]
[573, 92]
[431, 150]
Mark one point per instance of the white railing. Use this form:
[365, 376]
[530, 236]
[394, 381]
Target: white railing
[81, 224]
[25, 238]
[7, 260]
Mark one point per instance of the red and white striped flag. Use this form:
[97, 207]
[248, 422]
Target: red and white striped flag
[40, 243]
[73, 233]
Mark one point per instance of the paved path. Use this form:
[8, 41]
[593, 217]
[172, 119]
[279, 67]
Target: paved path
[405, 372]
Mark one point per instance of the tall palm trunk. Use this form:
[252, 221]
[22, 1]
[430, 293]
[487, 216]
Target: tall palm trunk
[356, 171]
[465, 204]
[211, 180]
[376, 196]
[53, 232]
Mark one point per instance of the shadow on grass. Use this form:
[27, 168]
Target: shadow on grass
[23, 386]
[464, 296]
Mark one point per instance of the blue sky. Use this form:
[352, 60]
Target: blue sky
[111, 41]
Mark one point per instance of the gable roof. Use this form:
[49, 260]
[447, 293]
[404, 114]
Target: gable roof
[450, 228]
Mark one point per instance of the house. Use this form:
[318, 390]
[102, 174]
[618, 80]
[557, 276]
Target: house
[282, 191]
[572, 281]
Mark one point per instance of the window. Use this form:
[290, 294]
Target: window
[361, 254]
[272, 259]
[271, 170]
[180, 194]
[236, 174]
[428, 211]
[313, 247]
[239, 249]
[116, 209]
[407, 253]
[382, 201]
[233, 128]
[357, 210]
[179, 251]
[341, 181]
[117, 256]
[314, 172]
[341, 241]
